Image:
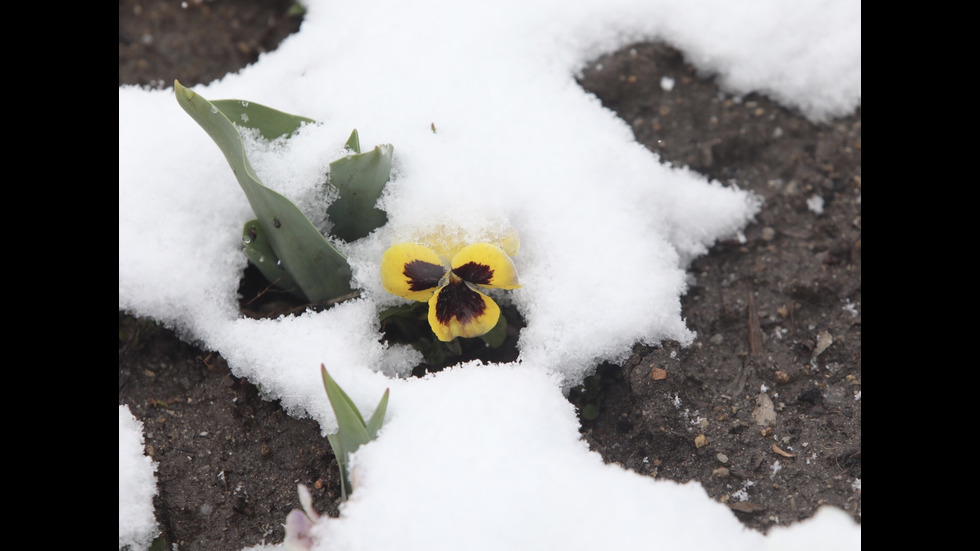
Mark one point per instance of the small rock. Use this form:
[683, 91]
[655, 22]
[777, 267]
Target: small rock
[746, 507]
[700, 441]
[721, 472]
[824, 340]
[764, 413]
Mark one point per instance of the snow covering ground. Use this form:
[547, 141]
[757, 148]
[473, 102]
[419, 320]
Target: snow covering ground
[478, 456]
[137, 485]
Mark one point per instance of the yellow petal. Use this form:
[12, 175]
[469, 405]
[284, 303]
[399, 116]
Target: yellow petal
[411, 271]
[486, 265]
[447, 240]
[459, 310]
[510, 243]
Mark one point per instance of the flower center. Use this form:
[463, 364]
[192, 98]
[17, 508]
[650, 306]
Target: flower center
[458, 299]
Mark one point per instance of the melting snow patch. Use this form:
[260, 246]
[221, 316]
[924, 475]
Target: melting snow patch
[815, 204]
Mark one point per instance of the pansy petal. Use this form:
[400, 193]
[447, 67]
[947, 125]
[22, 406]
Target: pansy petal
[510, 243]
[411, 271]
[459, 310]
[486, 265]
[447, 240]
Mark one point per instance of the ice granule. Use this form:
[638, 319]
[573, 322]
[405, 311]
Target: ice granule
[815, 204]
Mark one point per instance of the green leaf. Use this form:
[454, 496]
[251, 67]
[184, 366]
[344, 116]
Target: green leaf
[496, 336]
[350, 424]
[352, 432]
[159, 544]
[378, 417]
[412, 311]
[359, 179]
[271, 123]
[455, 346]
[320, 271]
[259, 252]
[353, 142]
[341, 455]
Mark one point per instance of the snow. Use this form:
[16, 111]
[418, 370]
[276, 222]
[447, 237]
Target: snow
[815, 204]
[478, 456]
[137, 486]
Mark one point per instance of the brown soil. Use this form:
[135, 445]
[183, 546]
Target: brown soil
[762, 409]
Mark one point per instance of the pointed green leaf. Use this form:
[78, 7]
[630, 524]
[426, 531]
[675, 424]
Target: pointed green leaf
[359, 179]
[378, 417]
[259, 252]
[353, 142]
[321, 272]
[350, 425]
[271, 123]
[351, 430]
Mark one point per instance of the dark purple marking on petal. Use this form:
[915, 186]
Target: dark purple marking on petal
[457, 300]
[423, 275]
[480, 274]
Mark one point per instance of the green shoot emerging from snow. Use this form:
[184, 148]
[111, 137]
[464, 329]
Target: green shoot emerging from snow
[352, 431]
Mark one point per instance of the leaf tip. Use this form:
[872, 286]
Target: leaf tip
[354, 142]
[180, 89]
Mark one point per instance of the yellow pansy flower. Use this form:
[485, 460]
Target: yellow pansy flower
[457, 307]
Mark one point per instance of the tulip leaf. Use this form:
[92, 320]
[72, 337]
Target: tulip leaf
[259, 252]
[353, 142]
[352, 431]
[359, 179]
[271, 123]
[378, 417]
[341, 454]
[321, 272]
